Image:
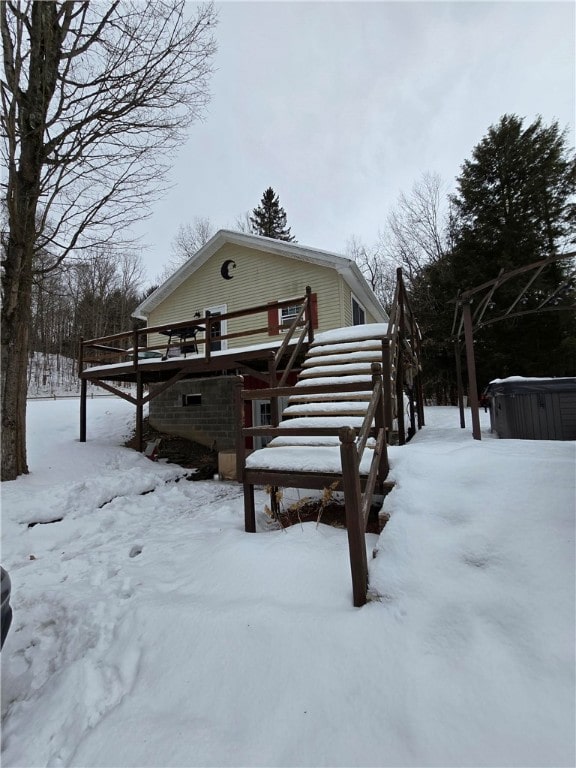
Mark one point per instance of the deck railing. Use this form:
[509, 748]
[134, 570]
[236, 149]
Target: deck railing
[132, 346]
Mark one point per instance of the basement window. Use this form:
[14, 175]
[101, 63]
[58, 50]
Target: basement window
[191, 400]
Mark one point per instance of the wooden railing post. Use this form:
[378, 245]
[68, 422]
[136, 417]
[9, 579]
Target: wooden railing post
[380, 420]
[419, 386]
[387, 385]
[400, 395]
[309, 317]
[139, 413]
[273, 376]
[354, 524]
[80, 355]
[400, 361]
[208, 336]
[240, 444]
[459, 385]
[83, 386]
[471, 364]
[135, 346]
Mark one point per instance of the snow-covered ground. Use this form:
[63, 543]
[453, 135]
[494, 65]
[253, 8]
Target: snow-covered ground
[150, 630]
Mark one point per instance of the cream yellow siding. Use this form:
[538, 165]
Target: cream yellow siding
[347, 306]
[258, 278]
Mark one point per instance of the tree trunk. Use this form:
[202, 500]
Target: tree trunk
[15, 332]
[22, 204]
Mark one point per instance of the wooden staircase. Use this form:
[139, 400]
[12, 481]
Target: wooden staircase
[340, 414]
[336, 362]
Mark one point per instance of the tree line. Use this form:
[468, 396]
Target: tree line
[513, 206]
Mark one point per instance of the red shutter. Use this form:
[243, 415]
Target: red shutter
[273, 326]
[314, 309]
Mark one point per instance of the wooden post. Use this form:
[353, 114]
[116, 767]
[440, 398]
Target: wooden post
[309, 317]
[135, 348]
[80, 355]
[420, 388]
[459, 385]
[273, 377]
[83, 385]
[386, 379]
[249, 509]
[354, 525]
[400, 394]
[399, 361]
[380, 421]
[471, 364]
[412, 429]
[208, 336]
[139, 413]
[240, 447]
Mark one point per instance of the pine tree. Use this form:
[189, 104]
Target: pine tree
[269, 218]
[514, 201]
[514, 206]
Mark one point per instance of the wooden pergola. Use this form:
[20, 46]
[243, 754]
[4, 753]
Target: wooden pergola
[466, 322]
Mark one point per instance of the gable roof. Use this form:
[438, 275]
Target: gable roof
[347, 268]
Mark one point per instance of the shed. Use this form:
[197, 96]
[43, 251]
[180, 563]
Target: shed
[532, 408]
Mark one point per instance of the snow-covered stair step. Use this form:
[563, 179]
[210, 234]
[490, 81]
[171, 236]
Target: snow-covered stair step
[346, 369]
[332, 422]
[340, 357]
[362, 378]
[320, 350]
[329, 397]
[323, 408]
[356, 334]
[360, 358]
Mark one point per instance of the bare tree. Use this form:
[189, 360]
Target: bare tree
[243, 223]
[95, 96]
[416, 234]
[376, 266]
[188, 241]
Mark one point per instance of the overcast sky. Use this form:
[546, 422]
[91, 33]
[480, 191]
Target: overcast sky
[340, 106]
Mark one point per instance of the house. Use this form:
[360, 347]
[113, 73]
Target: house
[231, 272]
[235, 270]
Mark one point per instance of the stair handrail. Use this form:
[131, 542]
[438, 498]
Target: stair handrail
[358, 504]
[307, 330]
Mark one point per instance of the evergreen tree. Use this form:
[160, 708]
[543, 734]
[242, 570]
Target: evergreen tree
[269, 218]
[514, 203]
[514, 206]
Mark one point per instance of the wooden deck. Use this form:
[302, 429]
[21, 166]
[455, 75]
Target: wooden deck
[130, 357]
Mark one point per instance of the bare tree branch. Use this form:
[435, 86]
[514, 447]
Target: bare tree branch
[95, 97]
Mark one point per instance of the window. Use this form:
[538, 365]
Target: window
[262, 415]
[287, 315]
[191, 400]
[281, 318]
[358, 313]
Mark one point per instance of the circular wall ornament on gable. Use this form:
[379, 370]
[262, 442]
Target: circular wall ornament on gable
[226, 267]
